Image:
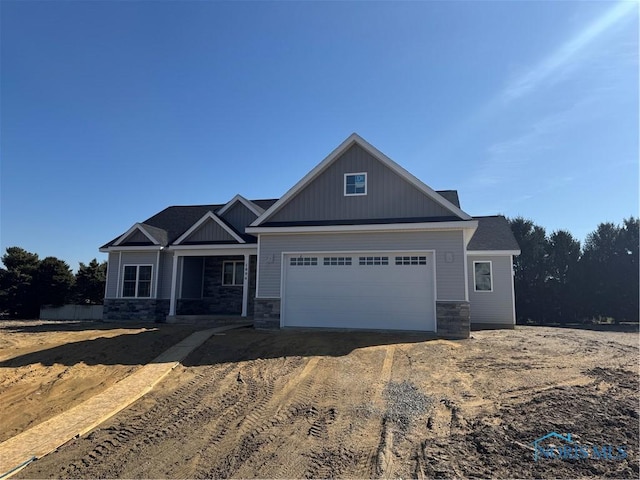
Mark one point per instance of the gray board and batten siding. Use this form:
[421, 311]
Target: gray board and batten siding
[448, 246]
[137, 237]
[388, 194]
[209, 232]
[239, 216]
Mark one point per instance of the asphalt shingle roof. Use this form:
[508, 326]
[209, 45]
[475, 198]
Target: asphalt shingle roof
[493, 233]
[172, 222]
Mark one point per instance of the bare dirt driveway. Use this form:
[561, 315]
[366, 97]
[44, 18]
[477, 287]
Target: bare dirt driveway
[303, 404]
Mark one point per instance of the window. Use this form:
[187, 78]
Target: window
[482, 277]
[137, 281]
[355, 184]
[232, 273]
[303, 261]
[337, 260]
[373, 260]
[411, 260]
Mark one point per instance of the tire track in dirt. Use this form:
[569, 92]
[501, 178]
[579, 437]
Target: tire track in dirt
[253, 432]
[180, 408]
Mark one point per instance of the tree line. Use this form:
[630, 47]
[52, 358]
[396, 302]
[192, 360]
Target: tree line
[559, 281]
[556, 279]
[28, 283]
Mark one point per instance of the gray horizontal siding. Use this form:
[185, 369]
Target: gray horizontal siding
[239, 216]
[448, 246]
[128, 258]
[210, 231]
[388, 194]
[495, 306]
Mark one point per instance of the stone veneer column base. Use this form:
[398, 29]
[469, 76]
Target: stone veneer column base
[135, 310]
[453, 319]
[266, 313]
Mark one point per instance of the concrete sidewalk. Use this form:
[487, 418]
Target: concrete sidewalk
[44, 438]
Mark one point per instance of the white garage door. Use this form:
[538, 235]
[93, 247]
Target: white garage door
[362, 290]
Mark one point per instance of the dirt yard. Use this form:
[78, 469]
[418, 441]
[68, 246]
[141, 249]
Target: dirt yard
[309, 404]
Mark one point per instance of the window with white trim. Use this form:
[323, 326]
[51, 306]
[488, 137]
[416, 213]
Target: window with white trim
[373, 260]
[328, 261]
[482, 278]
[136, 281]
[303, 261]
[355, 183]
[411, 260]
[232, 273]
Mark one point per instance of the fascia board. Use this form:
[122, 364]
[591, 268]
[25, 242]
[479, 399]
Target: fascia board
[494, 252]
[124, 248]
[223, 246]
[469, 224]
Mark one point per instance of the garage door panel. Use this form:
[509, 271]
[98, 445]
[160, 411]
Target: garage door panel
[378, 296]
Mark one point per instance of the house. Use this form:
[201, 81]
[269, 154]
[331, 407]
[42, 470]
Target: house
[358, 243]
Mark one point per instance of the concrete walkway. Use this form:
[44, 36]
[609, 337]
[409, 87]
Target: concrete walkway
[19, 451]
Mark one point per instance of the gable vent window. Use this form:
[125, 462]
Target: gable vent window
[303, 261]
[373, 260]
[411, 260]
[355, 184]
[337, 260]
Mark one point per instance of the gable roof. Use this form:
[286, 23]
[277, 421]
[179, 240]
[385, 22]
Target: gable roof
[354, 138]
[176, 220]
[154, 235]
[247, 203]
[209, 216]
[493, 234]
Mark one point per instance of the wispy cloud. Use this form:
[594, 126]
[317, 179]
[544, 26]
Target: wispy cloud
[506, 159]
[564, 56]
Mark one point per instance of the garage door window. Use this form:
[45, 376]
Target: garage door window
[330, 261]
[373, 260]
[482, 276]
[303, 261]
[411, 260]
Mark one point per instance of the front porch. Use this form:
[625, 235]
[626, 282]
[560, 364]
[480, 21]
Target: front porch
[219, 282]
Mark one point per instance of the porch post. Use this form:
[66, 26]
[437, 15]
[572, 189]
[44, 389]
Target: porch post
[174, 281]
[245, 285]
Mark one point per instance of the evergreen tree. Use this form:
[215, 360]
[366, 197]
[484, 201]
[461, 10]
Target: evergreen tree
[561, 299]
[18, 296]
[90, 282]
[54, 282]
[530, 270]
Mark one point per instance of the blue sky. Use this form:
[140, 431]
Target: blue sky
[111, 111]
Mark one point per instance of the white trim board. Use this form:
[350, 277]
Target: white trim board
[354, 138]
[396, 227]
[137, 248]
[495, 253]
